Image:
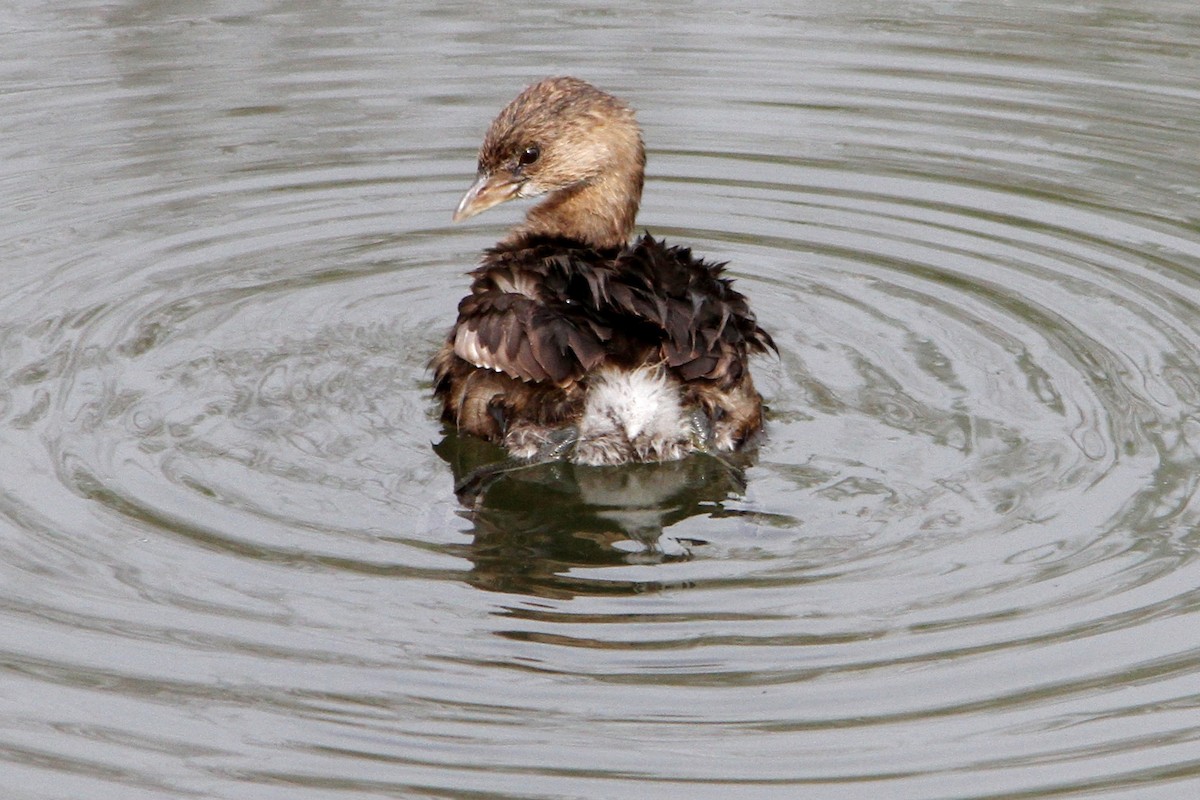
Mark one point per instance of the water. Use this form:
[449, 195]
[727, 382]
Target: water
[963, 564]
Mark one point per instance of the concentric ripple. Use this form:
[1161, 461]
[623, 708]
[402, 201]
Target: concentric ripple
[961, 565]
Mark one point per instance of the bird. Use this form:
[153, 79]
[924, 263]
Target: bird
[577, 341]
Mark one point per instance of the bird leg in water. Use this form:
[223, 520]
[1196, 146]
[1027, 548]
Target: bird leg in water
[702, 441]
[702, 431]
[557, 447]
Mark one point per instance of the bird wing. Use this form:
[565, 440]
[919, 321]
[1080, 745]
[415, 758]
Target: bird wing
[513, 324]
[543, 309]
[707, 329]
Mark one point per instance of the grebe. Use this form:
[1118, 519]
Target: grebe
[573, 342]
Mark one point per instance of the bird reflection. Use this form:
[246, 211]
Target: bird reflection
[538, 525]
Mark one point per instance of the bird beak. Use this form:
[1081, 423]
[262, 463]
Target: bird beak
[487, 191]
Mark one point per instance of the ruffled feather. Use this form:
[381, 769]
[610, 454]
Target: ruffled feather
[549, 309]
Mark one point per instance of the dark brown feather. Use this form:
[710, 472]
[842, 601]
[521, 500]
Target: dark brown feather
[546, 310]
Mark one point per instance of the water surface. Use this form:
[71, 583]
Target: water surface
[962, 564]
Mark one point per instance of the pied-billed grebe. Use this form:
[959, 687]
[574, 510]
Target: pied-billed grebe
[574, 342]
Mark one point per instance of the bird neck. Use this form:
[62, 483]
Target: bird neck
[599, 212]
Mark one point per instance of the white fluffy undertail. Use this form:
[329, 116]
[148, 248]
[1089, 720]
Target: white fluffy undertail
[633, 415]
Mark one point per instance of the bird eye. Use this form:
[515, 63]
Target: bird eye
[529, 155]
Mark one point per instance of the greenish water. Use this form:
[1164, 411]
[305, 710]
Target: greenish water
[962, 564]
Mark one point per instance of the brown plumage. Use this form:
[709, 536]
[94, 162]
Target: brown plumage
[572, 339]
